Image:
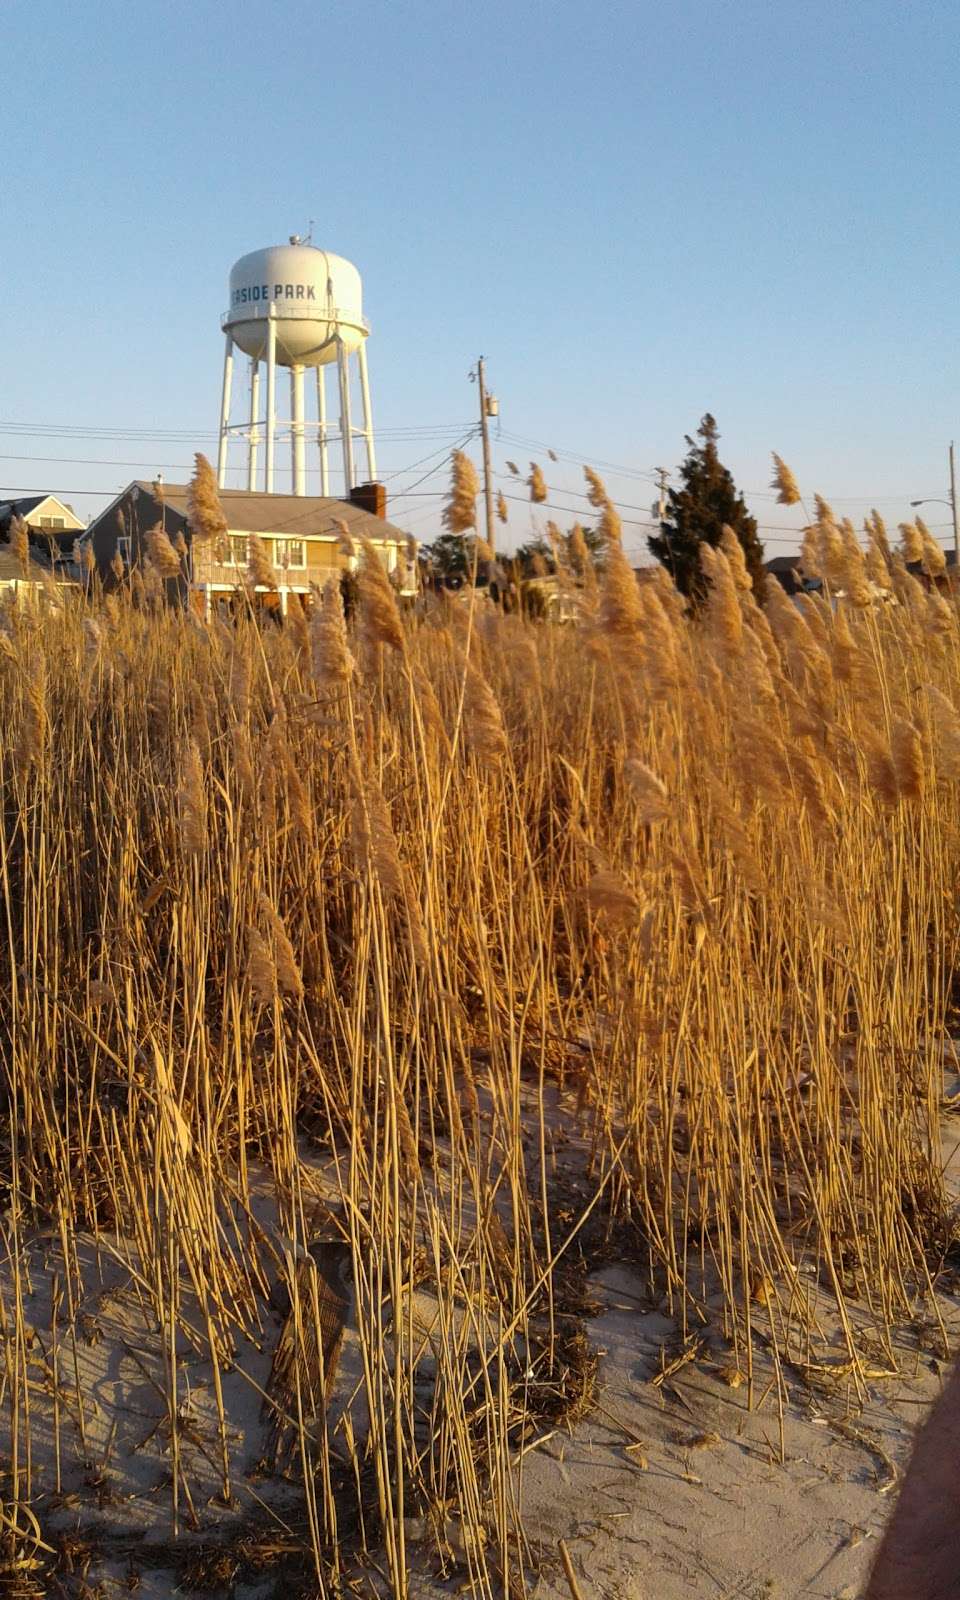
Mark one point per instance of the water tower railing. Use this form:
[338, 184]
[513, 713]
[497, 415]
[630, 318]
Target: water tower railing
[287, 311]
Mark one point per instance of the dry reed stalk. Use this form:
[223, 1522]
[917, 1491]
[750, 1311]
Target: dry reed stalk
[765, 835]
[372, 836]
[20, 541]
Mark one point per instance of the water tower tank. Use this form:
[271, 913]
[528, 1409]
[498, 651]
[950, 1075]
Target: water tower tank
[313, 298]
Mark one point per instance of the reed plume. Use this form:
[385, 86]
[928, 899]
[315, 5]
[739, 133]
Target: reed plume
[536, 483]
[284, 961]
[621, 608]
[911, 543]
[649, 793]
[332, 660]
[483, 721]
[379, 617]
[784, 482]
[163, 557]
[611, 897]
[934, 560]
[907, 755]
[205, 517]
[193, 801]
[502, 511]
[260, 572]
[945, 721]
[596, 489]
[460, 511]
[261, 974]
[722, 612]
[733, 550]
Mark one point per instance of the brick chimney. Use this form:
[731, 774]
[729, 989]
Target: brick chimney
[370, 497]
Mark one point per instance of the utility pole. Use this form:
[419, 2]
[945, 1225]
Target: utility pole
[953, 507]
[952, 503]
[488, 408]
[660, 509]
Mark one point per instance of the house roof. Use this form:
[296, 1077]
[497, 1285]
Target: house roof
[12, 567]
[295, 515]
[24, 504]
[783, 564]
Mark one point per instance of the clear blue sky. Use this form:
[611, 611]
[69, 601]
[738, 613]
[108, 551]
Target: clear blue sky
[636, 211]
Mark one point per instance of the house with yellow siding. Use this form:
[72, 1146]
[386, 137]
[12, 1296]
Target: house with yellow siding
[302, 536]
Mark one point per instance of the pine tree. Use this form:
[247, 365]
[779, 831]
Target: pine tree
[698, 513]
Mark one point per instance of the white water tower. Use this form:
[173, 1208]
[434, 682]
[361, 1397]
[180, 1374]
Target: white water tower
[300, 308]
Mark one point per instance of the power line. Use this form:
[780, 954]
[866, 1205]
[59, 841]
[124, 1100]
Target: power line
[579, 460]
[66, 429]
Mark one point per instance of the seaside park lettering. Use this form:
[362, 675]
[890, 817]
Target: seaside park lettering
[275, 291]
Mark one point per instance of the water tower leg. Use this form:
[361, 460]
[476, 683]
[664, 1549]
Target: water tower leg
[254, 423]
[346, 431]
[367, 414]
[322, 429]
[271, 398]
[296, 430]
[225, 411]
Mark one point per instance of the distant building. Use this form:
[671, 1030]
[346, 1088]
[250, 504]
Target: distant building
[53, 528]
[44, 515]
[302, 535]
[786, 570]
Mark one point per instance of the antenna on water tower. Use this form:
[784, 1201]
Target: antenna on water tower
[297, 307]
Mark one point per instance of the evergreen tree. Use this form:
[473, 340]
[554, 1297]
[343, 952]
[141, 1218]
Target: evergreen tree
[448, 556]
[697, 514]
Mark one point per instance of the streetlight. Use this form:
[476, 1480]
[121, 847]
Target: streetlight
[952, 503]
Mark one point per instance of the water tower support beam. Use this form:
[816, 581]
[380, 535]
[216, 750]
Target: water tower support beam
[271, 396]
[322, 429]
[254, 423]
[367, 414]
[225, 410]
[296, 430]
[346, 431]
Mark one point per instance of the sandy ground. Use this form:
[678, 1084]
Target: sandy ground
[670, 1487]
[667, 1489]
[678, 1489]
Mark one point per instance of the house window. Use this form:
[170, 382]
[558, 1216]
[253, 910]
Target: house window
[290, 553]
[52, 522]
[237, 550]
[123, 549]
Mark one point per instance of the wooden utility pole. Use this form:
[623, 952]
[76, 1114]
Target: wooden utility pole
[660, 509]
[485, 436]
[953, 508]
